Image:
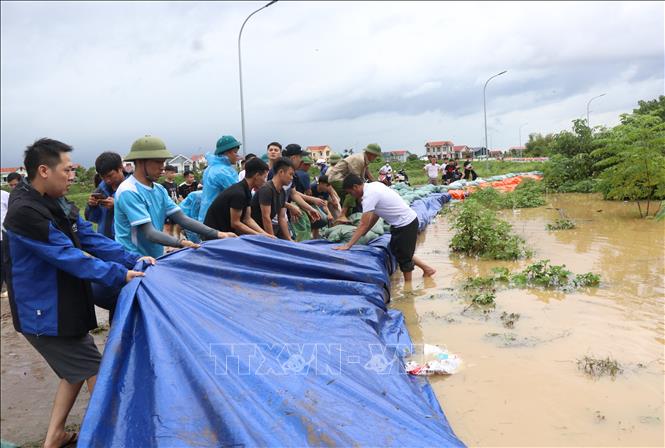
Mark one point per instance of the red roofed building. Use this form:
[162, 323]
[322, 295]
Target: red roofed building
[439, 149]
[462, 151]
[319, 152]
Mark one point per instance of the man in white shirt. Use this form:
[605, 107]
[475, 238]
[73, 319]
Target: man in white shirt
[380, 201]
[433, 169]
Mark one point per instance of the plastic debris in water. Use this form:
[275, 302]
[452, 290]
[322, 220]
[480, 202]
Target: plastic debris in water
[435, 361]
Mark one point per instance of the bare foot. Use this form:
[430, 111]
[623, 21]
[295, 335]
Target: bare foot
[429, 282]
[429, 272]
[62, 440]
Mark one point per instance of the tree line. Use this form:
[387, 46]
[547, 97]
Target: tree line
[625, 162]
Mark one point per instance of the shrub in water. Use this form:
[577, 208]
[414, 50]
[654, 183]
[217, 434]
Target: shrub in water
[543, 274]
[561, 224]
[585, 280]
[485, 298]
[478, 232]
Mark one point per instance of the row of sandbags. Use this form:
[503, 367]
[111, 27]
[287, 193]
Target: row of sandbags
[342, 233]
[458, 190]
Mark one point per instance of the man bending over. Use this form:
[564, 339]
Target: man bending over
[380, 201]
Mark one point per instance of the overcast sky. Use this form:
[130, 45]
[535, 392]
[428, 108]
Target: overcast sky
[99, 75]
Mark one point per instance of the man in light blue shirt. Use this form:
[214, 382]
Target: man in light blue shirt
[142, 205]
[220, 173]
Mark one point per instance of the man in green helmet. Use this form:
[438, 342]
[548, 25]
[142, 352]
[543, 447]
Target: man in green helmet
[357, 164]
[334, 159]
[142, 205]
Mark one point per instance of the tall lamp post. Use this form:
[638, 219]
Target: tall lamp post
[242, 101]
[485, 103]
[521, 126]
[587, 108]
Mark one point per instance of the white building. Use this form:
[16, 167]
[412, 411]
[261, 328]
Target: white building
[319, 152]
[440, 149]
[400, 155]
[181, 163]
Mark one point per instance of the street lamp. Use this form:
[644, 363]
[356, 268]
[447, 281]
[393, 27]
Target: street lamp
[587, 109]
[485, 103]
[242, 102]
[521, 126]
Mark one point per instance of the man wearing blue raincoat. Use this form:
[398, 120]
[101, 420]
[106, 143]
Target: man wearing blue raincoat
[220, 173]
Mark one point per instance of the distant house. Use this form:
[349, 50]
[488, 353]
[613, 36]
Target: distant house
[319, 152]
[439, 149]
[480, 151]
[495, 153]
[181, 163]
[199, 162]
[4, 172]
[399, 155]
[461, 151]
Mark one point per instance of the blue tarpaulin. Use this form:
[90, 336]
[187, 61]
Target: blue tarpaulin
[259, 342]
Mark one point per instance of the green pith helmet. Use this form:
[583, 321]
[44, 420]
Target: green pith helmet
[225, 143]
[307, 160]
[373, 148]
[334, 158]
[148, 147]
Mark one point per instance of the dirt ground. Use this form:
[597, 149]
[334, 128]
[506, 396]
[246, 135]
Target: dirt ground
[28, 385]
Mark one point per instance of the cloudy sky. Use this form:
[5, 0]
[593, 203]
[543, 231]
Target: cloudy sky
[99, 75]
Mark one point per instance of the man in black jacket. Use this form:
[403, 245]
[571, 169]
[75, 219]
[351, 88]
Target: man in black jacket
[53, 256]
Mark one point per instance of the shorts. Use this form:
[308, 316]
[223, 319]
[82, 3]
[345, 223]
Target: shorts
[403, 244]
[73, 358]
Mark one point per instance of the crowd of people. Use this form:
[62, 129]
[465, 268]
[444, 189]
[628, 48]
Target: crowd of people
[449, 170]
[58, 267]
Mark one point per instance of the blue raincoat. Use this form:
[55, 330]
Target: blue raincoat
[219, 175]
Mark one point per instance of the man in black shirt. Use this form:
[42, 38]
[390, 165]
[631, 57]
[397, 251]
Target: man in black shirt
[231, 208]
[190, 184]
[169, 182]
[268, 205]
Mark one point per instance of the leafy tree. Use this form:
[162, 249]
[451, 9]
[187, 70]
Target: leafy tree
[412, 157]
[654, 107]
[569, 143]
[90, 173]
[538, 145]
[633, 158]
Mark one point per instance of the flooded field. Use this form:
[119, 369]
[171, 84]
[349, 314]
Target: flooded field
[521, 386]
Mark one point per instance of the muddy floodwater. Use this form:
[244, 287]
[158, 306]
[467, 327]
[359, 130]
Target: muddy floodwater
[521, 386]
[518, 386]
